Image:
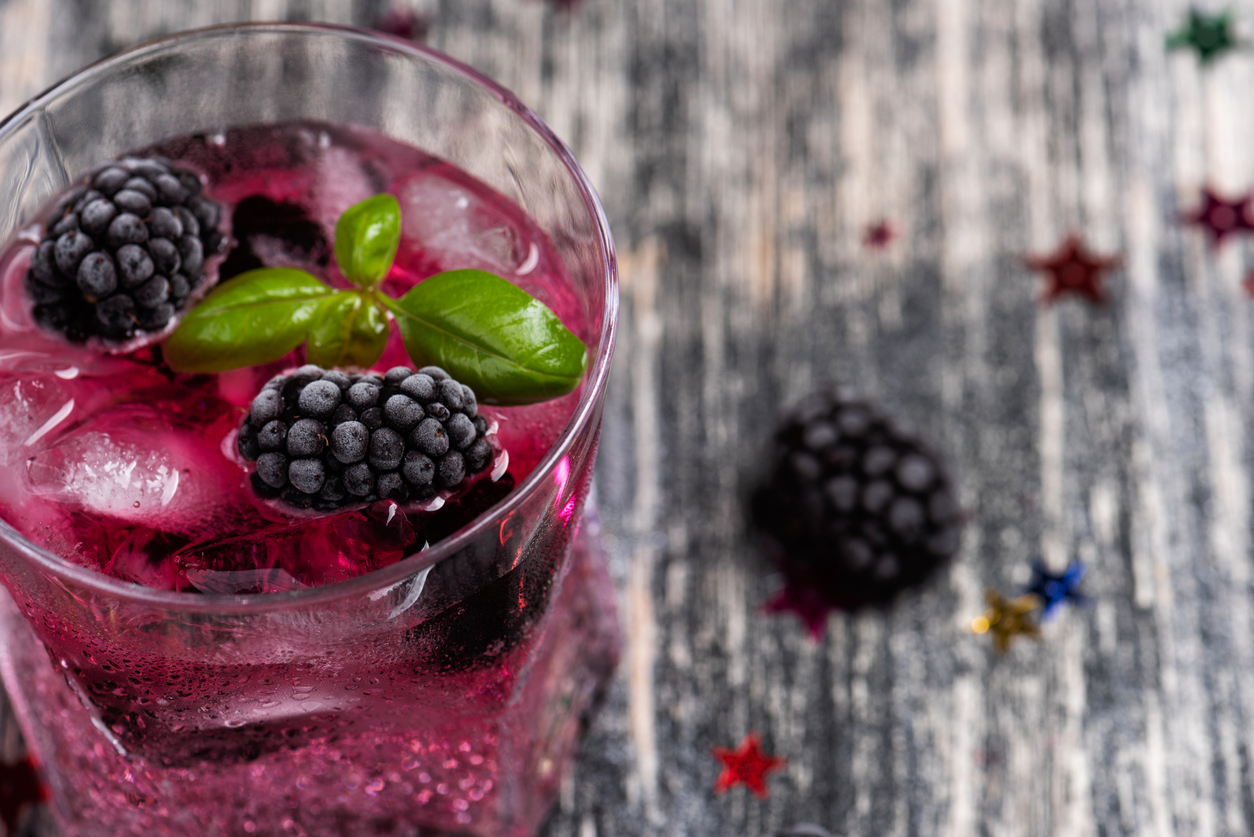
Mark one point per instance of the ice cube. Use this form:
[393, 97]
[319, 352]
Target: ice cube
[129, 464]
[107, 473]
[235, 582]
[446, 226]
[32, 409]
[342, 182]
[311, 551]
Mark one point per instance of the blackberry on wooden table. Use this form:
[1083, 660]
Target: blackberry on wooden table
[122, 253]
[321, 439]
[857, 507]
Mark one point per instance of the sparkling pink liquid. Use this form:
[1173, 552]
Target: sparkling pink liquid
[463, 719]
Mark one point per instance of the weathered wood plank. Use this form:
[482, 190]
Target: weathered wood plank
[741, 147]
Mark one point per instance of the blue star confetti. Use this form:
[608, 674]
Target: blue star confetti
[1054, 590]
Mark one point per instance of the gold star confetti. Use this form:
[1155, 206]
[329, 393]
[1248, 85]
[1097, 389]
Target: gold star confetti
[1007, 618]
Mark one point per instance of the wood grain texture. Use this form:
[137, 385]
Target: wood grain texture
[741, 147]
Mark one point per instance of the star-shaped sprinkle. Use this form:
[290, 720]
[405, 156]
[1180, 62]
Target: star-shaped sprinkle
[879, 235]
[1221, 217]
[19, 786]
[1208, 35]
[746, 765]
[1006, 619]
[1054, 590]
[805, 600]
[1073, 268]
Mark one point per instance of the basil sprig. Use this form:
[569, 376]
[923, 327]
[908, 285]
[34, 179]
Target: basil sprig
[488, 333]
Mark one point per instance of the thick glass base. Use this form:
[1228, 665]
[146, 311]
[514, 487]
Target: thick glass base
[483, 767]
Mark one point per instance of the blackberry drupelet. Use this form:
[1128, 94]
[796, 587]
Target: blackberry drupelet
[122, 252]
[321, 439]
[859, 509]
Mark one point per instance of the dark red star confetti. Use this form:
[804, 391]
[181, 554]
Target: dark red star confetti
[19, 786]
[810, 605]
[1248, 284]
[1073, 268]
[1222, 217]
[879, 235]
[746, 765]
[567, 6]
[404, 23]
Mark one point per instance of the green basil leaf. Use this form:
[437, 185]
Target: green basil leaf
[350, 329]
[255, 318]
[491, 335]
[366, 237]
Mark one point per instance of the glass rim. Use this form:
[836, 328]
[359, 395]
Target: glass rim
[257, 603]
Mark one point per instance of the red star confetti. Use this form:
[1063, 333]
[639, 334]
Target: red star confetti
[879, 235]
[810, 605]
[404, 23]
[1248, 284]
[746, 765]
[1073, 268]
[19, 787]
[1221, 217]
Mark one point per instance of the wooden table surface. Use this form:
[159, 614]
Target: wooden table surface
[742, 148]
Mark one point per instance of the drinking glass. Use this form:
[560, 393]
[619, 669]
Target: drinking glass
[442, 694]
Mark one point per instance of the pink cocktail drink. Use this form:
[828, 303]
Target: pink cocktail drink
[189, 657]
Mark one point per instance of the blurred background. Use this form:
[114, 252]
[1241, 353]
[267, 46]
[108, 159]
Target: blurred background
[808, 191]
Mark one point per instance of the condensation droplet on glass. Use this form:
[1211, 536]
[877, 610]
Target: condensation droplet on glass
[533, 259]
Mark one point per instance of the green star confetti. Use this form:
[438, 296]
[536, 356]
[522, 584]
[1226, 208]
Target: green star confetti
[1208, 35]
